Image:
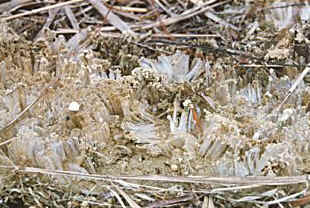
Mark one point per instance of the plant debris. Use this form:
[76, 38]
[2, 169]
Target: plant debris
[154, 103]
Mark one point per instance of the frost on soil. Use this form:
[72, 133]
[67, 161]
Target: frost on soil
[171, 115]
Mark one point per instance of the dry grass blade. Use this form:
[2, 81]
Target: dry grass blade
[12, 4]
[188, 14]
[257, 180]
[262, 65]
[271, 194]
[220, 21]
[164, 8]
[72, 18]
[119, 199]
[159, 35]
[254, 199]
[8, 141]
[286, 198]
[129, 200]
[234, 188]
[208, 202]
[112, 18]
[172, 202]
[133, 204]
[216, 18]
[138, 186]
[130, 9]
[34, 11]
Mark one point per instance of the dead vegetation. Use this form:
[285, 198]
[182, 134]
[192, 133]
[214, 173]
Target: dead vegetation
[154, 103]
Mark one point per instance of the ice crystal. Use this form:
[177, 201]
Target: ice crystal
[218, 131]
[175, 68]
[305, 12]
[252, 94]
[29, 148]
[182, 120]
[174, 108]
[282, 15]
[138, 123]
[275, 159]
[142, 133]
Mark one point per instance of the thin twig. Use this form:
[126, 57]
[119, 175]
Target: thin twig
[43, 9]
[259, 180]
[187, 14]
